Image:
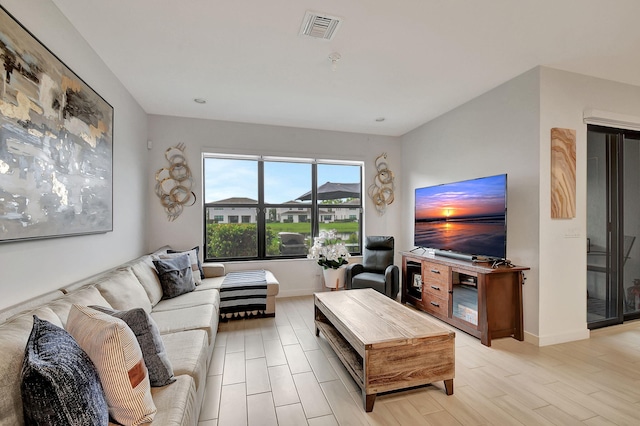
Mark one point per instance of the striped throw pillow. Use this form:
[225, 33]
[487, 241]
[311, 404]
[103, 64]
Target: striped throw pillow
[114, 350]
[148, 336]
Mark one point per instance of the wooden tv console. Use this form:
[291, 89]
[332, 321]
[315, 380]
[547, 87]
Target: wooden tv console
[483, 301]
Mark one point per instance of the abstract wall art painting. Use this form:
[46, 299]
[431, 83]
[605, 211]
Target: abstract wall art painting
[56, 144]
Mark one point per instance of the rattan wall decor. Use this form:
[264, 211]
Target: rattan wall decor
[173, 183]
[382, 188]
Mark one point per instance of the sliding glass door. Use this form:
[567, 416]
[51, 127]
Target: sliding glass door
[613, 225]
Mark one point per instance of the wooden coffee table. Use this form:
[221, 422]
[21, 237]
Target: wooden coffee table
[384, 345]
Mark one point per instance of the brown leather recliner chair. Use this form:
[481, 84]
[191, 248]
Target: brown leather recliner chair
[377, 270]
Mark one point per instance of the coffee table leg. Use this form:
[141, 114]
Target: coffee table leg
[369, 400]
[448, 386]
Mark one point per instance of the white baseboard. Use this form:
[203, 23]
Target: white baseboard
[556, 338]
[298, 292]
[302, 292]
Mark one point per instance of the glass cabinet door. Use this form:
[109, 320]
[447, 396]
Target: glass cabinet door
[464, 297]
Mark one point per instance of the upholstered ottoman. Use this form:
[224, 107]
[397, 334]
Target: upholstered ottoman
[243, 294]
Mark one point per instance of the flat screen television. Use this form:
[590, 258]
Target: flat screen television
[467, 217]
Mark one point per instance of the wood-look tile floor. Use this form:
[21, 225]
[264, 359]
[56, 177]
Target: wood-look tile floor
[275, 371]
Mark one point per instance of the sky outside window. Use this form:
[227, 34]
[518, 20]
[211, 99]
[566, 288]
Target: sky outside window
[226, 178]
[338, 173]
[284, 182]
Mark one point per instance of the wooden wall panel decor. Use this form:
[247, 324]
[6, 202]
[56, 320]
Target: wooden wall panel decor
[563, 173]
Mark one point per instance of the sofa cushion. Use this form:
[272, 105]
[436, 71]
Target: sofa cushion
[60, 384]
[146, 273]
[175, 275]
[202, 317]
[178, 402]
[30, 304]
[369, 280]
[195, 298]
[151, 344]
[193, 259]
[189, 352]
[123, 291]
[211, 283]
[114, 350]
[85, 296]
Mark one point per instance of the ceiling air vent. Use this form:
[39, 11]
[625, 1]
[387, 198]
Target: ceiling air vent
[320, 25]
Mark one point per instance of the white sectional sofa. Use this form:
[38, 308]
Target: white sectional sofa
[187, 323]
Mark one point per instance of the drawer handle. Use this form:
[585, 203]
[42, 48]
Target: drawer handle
[435, 271]
[435, 288]
[435, 304]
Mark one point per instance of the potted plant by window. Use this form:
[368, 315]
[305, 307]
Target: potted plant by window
[332, 254]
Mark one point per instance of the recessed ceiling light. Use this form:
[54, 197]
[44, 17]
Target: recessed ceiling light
[380, 119]
[200, 101]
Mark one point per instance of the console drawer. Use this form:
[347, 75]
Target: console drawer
[436, 289]
[436, 275]
[435, 305]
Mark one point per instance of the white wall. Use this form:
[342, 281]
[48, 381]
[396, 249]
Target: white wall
[298, 276]
[564, 97]
[35, 267]
[498, 132]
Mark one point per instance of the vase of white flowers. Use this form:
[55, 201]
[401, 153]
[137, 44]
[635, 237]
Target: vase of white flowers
[332, 254]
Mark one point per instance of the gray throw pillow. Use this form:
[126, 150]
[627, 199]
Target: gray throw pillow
[175, 276]
[197, 249]
[148, 337]
[59, 383]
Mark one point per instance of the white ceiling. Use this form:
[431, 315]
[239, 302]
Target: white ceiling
[405, 60]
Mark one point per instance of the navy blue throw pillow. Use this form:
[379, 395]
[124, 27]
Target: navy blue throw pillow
[59, 383]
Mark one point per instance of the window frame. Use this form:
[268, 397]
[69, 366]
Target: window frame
[262, 208]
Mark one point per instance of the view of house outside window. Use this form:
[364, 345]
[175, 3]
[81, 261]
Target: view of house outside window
[262, 209]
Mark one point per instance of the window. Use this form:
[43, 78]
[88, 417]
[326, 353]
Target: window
[274, 207]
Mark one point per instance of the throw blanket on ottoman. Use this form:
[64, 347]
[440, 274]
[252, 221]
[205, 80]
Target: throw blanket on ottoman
[243, 294]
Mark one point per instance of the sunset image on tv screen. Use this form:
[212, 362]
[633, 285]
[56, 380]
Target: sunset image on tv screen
[467, 217]
[462, 200]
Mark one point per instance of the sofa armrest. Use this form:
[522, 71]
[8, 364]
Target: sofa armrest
[212, 270]
[352, 269]
[392, 279]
